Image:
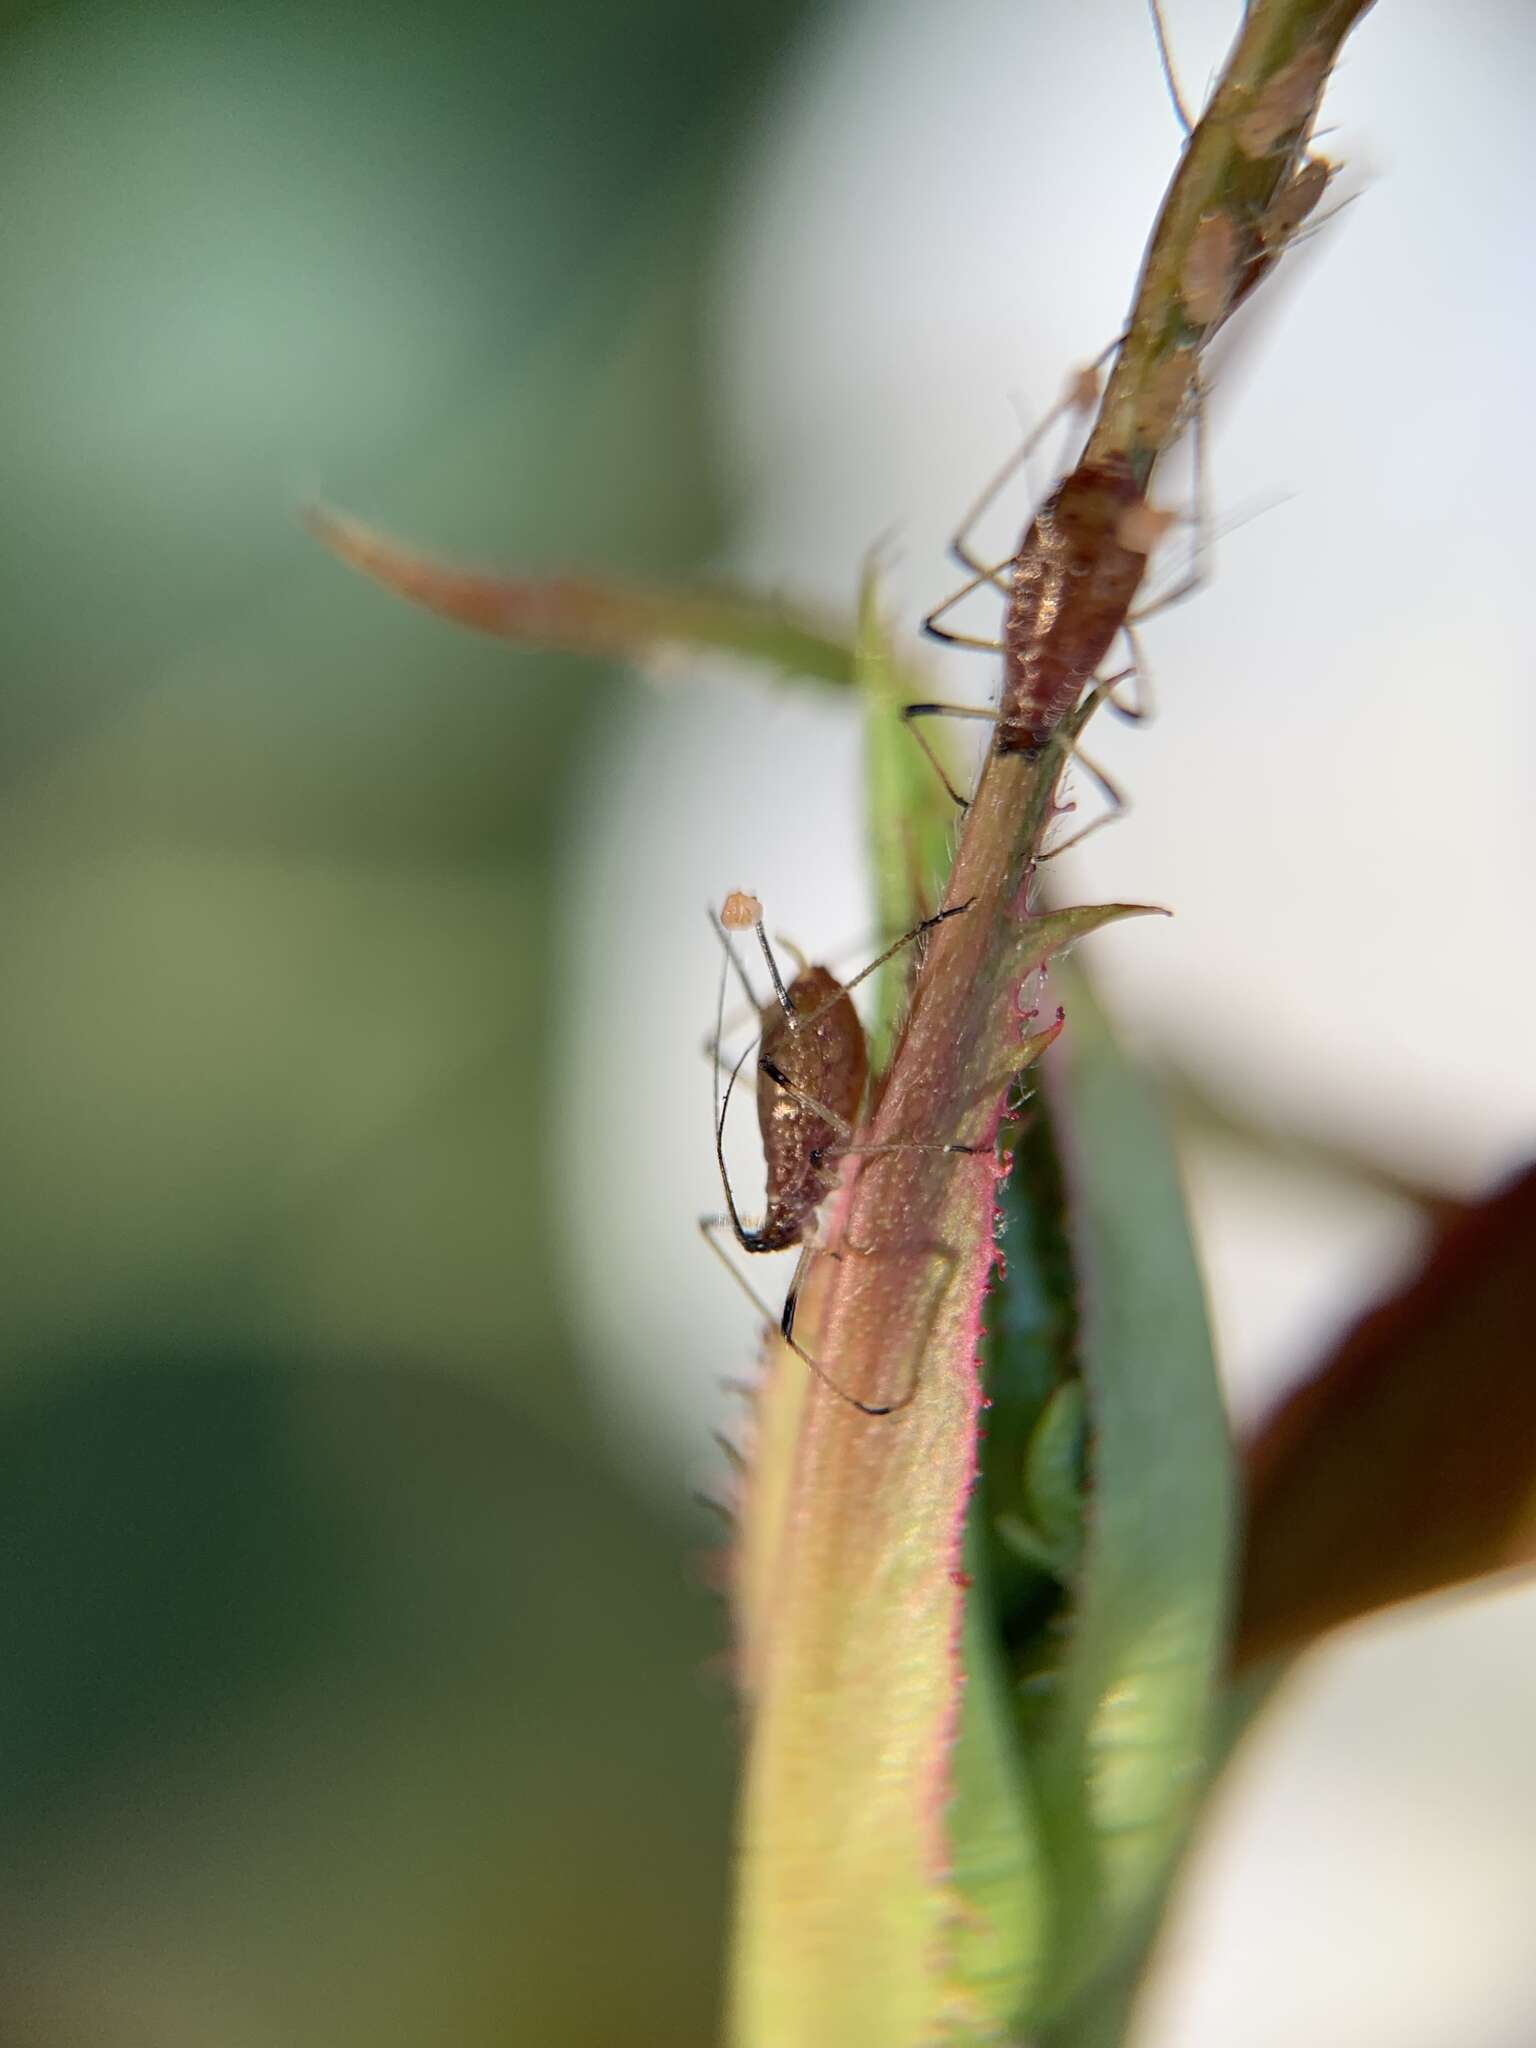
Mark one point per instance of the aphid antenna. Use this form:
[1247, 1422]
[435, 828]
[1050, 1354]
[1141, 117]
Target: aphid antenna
[1079, 397]
[722, 1100]
[749, 1240]
[1075, 416]
[1165, 62]
[799, 1020]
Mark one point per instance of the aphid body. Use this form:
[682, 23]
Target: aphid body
[811, 1058]
[1074, 580]
[1071, 585]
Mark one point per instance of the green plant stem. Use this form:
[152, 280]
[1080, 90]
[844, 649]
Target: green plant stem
[1275, 74]
[847, 1925]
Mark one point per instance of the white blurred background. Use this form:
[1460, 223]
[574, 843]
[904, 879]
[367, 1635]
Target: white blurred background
[942, 215]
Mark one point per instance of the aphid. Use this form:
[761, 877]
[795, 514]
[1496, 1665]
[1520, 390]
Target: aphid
[1070, 585]
[1295, 202]
[1210, 271]
[812, 1072]
[1283, 105]
[1224, 263]
[1075, 575]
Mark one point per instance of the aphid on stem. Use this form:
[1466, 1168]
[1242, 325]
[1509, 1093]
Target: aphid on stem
[812, 1074]
[1072, 582]
[1071, 585]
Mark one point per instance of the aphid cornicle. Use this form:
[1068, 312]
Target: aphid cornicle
[812, 1073]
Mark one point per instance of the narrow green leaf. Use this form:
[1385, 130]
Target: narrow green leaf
[999, 1880]
[1031, 1359]
[592, 615]
[911, 814]
[1053, 1479]
[1122, 1756]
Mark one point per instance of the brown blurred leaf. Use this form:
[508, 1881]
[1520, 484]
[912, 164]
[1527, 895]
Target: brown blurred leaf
[1407, 1464]
[592, 615]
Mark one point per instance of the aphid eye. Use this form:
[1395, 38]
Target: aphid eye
[815, 1155]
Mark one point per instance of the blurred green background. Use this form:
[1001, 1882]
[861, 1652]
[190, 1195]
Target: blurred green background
[349, 1693]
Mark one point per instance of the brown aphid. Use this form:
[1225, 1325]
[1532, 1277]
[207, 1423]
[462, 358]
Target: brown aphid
[812, 1071]
[1294, 202]
[812, 1059]
[1276, 227]
[1070, 585]
[1074, 581]
[1208, 273]
[1164, 395]
[1284, 102]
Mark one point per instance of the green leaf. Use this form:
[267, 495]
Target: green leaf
[911, 815]
[1049, 1527]
[594, 615]
[1116, 1650]
[999, 1920]
[1121, 1757]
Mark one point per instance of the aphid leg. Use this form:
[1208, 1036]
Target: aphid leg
[1198, 571]
[910, 713]
[722, 1104]
[1197, 578]
[918, 931]
[792, 1303]
[905, 1145]
[711, 1048]
[1135, 671]
[708, 1225]
[828, 1115]
[802, 1019]
[1165, 59]
[1081, 393]
[798, 1019]
[938, 632]
[1119, 803]
[738, 912]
